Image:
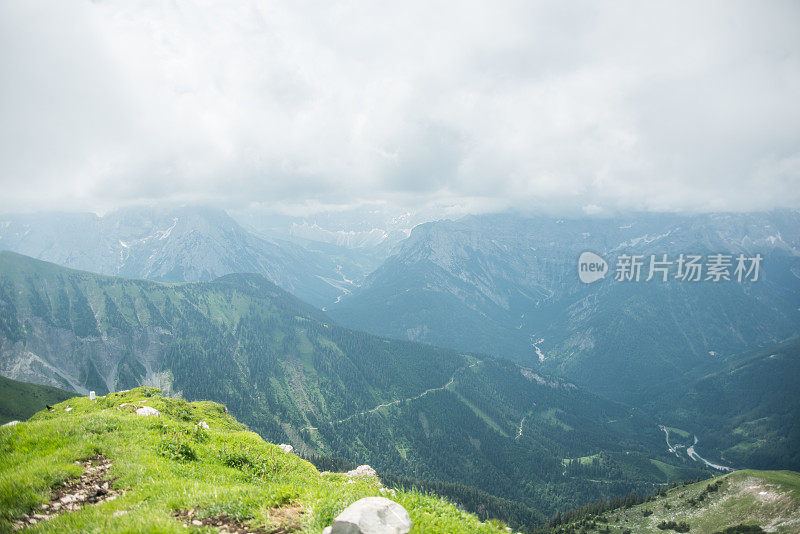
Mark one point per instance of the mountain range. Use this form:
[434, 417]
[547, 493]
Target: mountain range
[293, 375]
[508, 285]
[183, 244]
[467, 353]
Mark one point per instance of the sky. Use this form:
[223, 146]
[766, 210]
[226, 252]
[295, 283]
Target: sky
[455, 107]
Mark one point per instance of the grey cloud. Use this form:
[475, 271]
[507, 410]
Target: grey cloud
[571, 106]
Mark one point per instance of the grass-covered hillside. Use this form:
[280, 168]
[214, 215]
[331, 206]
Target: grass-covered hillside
[159, 473]
[20, 400]
[294, 376]
[741, 502]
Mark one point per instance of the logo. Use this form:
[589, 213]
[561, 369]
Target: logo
[591, 267]
[663, 268]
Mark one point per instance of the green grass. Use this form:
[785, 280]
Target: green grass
[769, 499]
[480, 414]
[682, 433]
[584, 460]
[165, 464]
[673, 472]
[551, 416]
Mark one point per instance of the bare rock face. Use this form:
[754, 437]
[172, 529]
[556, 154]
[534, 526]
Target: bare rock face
[372, 515]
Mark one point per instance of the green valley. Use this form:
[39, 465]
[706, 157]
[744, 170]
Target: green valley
[294, 376]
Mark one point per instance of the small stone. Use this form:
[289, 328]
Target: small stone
[68, 409]
[11, 423]
[92, 396]
[119, 513]
[147, 411]
[197, 523]
[203, 425]
[285, 448]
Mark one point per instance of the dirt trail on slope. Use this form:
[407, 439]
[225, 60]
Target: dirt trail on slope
[398, 401]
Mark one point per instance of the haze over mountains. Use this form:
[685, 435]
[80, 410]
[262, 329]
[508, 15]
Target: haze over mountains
[359, 226]
[508, 285]
[598, 367]
[175, 245]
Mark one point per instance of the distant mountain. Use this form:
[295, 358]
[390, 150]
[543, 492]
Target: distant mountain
[174, 245]
[371, 228]
[294, 376]
[20, 400]
[508, 285]
[374, 238]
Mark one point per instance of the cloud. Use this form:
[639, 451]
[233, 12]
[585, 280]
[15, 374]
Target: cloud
[546, 105]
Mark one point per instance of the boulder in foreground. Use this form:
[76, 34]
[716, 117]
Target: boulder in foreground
[372, 515]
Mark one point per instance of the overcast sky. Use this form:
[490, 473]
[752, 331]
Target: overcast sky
[471, 106]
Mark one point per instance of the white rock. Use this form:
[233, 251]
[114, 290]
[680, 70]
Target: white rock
[362, 471]
[92, 395]
[147, 410]
[68, 409]
[285, 448]
[372, 515]
[202, 424]
[11, 423]
[326, 530]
